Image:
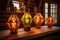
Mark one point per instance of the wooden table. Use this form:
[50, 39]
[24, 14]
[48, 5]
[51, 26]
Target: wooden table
[5, 34]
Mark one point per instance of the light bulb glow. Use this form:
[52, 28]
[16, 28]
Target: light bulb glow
[38, 18]
[49, 21]
[26, 18]
[13, 22]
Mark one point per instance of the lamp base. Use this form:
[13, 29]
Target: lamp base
[27, 28]
[38, 26]
[13, 32]
[49, 26]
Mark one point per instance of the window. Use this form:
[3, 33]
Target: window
[16, 6]
[46, 11]
[53, 12]
[19, 6]
[51, 9]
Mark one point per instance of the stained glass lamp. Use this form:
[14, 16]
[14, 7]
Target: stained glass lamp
[38, 19]
[13, 23]
[26, 20]
[49, 21]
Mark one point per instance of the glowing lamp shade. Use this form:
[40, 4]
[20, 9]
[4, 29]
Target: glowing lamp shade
[26, 20]
[13, 23]
[38, 19]
[49, 21]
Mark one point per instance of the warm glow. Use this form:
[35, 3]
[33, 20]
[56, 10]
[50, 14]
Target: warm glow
[38, 19]
[26, 18]
[13, 22]
[49, 21]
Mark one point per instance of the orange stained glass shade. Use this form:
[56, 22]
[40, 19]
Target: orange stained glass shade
[49, 21]
[13, 22]
[38, 19]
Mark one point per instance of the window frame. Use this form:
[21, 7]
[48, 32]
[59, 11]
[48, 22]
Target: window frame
[49, 12]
